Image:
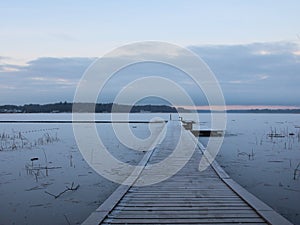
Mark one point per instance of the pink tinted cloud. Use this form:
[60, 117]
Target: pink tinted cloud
[241, 107]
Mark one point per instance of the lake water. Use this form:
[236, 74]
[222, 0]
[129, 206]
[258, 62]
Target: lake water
[269, 171]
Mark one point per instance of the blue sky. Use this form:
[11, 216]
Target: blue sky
[251, 46]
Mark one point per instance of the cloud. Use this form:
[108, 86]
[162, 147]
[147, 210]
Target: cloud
[58, 67]
[258, 73]
[238, 81]
[3, 86]
[8, 68]
[57, 81]
[263, 76]
[255, 79]
[149, 49]
[41, 80]
[6, 64]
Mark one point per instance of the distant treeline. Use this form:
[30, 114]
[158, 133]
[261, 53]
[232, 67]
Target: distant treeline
[291, 111]
[65, 107]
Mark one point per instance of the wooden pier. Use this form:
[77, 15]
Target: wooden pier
[188, 197]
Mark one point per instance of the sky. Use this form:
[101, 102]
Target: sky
[251, 46]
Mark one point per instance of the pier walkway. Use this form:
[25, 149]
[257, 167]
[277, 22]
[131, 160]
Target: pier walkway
[188, 197]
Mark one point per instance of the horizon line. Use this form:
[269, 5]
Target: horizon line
[197, 107]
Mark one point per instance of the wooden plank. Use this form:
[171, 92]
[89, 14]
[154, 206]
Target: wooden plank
[200, 218]
[177, 215]
[212, 198]
[186, 212]
[181, 189]
[180, 208]
[176, 195]
[184, 220]
[183, 203]
[191, 199]
[170, 204]
[199, 195]
[219, 223]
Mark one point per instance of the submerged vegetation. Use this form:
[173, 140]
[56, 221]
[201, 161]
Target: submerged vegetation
[18, 140]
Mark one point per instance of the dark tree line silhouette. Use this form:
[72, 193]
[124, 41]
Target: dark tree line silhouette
[84, 107]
